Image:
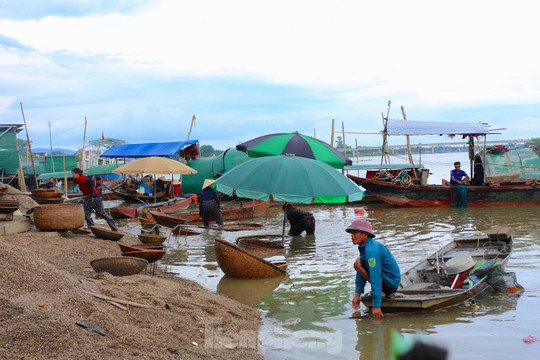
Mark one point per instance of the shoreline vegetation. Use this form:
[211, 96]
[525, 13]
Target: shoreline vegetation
[54, 306]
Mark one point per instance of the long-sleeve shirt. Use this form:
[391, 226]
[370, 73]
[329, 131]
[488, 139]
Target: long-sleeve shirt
[381, 266]
[85, 185]
[209, 194]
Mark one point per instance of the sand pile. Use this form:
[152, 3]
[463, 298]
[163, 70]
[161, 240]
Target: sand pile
[48, 287]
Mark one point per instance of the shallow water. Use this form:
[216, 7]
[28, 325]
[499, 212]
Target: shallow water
[307, 313]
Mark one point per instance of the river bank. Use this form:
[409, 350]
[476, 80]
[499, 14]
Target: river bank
[48, 285]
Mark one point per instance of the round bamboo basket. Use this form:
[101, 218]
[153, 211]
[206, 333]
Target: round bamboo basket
[8, 206]
[48, 195]
[127, 248]
[119, 266]
[239, 263]
[152, 238]
[261, 245]
[59, 217]
[105, 234]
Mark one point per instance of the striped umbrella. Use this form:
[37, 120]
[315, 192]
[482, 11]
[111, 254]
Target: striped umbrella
[294, 144]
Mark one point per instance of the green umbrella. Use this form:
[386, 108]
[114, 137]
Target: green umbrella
[290, 179]
[294, 144]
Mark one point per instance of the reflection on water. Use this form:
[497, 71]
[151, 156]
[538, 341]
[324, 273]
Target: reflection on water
[308, 314]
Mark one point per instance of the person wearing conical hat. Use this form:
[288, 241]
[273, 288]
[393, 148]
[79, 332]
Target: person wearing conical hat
[375, 265]
[177, 187]
[209, 203]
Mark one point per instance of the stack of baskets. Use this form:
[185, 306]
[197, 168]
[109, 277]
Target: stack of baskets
[59, 217]
[8, 206]
[47, 196]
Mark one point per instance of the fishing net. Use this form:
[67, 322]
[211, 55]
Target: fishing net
[500, 280]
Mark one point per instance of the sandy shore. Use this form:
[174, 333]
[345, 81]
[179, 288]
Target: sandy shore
[48, 286]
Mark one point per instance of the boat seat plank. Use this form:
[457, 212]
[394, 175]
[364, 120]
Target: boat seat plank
[421, 286]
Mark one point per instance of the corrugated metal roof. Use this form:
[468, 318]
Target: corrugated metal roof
[405, 127]
[166, 149]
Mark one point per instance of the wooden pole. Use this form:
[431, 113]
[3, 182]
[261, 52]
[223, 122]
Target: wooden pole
[65, 174]
[343, 134]
[50, 140]
[408, 138]
[29, 147]
[193, 118]
[384, 149]
[83, 144]
[332, 133]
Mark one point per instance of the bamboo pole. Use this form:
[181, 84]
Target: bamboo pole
[65, 174]
[407, 137]
[343, 134]
[193, 118]
[332, 133]
[50, 140]
[29, 147]
[83, 144]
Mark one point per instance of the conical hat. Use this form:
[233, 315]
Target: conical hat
[207, 183]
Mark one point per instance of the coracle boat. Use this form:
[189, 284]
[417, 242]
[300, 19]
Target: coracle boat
[429, 285]
[127, 248]
[244, 210]
[149, 255]
[106, 234]
[152, 238]
[119, 266]
[261, 245]
[239, 263]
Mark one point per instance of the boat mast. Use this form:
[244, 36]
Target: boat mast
[384, 150]
[83, 143]
[409, 153]
[193, 118]
[29, 147]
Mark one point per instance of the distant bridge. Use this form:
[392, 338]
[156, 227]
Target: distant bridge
[456, 144]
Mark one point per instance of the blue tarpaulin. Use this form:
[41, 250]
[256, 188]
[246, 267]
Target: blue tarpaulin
[405, 127]
[166, 149]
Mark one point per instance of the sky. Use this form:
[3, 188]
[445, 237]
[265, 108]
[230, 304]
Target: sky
[138, 70]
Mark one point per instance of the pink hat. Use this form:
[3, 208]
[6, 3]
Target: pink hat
[360, 225]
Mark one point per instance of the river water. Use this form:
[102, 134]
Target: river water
[307, 314]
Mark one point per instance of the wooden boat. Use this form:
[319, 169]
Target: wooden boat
[243, 210]
[166, 219]
[180, 230]
[238, 226]
[427, 287]
[134, 197]
[239, 263]
[261, 245]
[399, 194]
[138, 247]
[144, 220]
[122, 212]
[149, 255]
[177, 206]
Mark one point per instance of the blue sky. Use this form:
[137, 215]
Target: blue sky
[139, 70]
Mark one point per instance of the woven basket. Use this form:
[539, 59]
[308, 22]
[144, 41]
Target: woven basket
[126, 248]
[39, 191]
[119, 266]
[239, 263]
[48, 195]
[8, 206]
[261, 245]
[152, 238]
[147, 254]
[59, 217]
[105, 234]
[48, 201]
